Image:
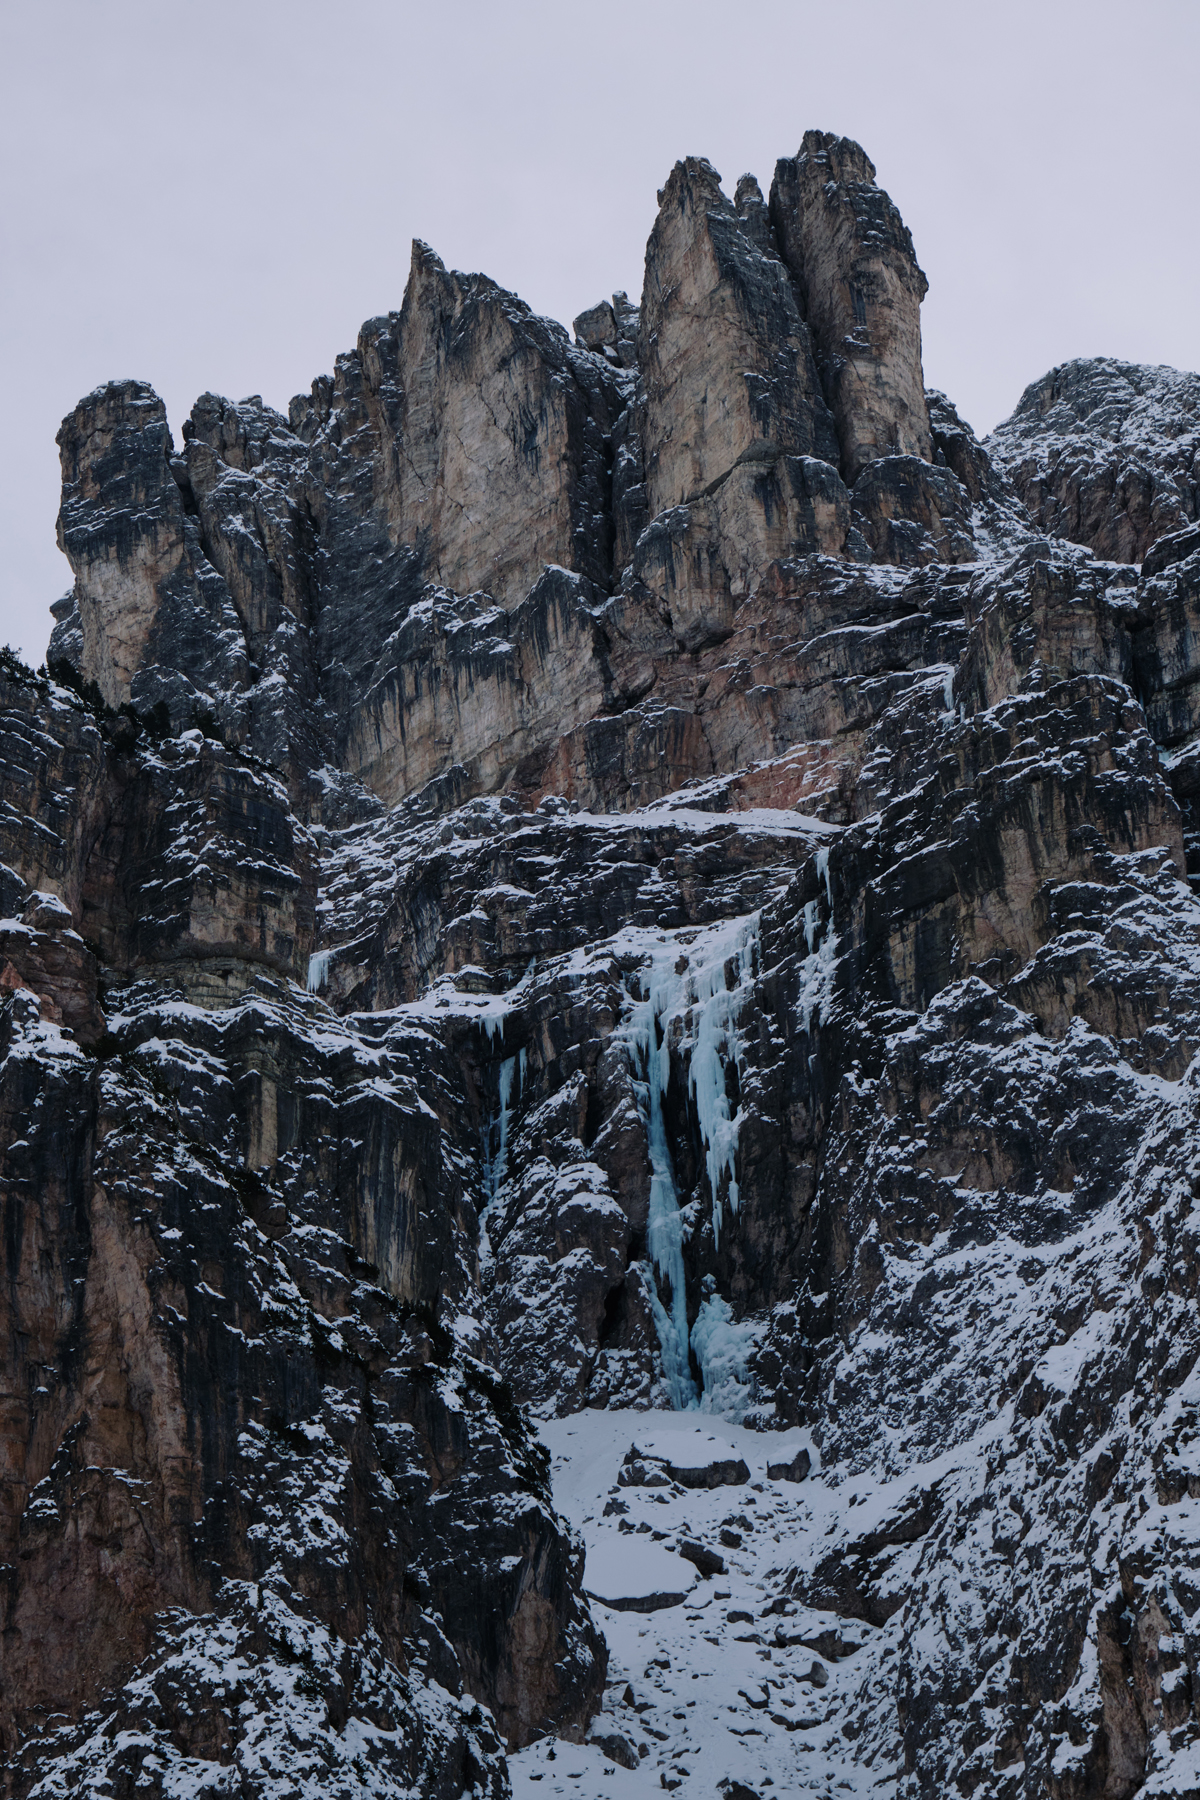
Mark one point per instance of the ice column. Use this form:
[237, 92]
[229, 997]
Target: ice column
[819, 966]
[823, 873]
[664, 1230]
[722, 1348]
[715, 1042]
[318, 970]
[495, 1163]
[513, 1067]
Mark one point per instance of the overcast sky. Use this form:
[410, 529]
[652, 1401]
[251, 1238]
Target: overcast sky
[215, 195]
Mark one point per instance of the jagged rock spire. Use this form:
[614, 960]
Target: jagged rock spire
[853, 260]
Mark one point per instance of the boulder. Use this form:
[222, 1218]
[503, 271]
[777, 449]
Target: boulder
[795, 1470]
[630, 1575]
[615, 1745]
[706, 1561]
[726, 1471]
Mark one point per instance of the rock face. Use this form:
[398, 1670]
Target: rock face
[360, 587]
[1106, 454]
[154, 1194]
[651, 871]
[492, 435]
[152, 613]
[733, 425]
[852, 258]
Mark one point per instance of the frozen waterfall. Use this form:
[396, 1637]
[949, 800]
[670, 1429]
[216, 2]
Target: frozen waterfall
[699, 989]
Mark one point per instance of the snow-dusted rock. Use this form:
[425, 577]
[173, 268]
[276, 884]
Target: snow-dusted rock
[706, 1562]
[855, 267]
[1105, 453]
[796, 1469]
[579, 915]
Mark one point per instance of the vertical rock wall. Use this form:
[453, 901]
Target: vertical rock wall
[147, 599]
[724, 354]
[736, 438]
[499, 448]
[853, 260]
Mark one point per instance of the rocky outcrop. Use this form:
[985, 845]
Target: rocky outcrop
[736, 438]
[610, 329]
[245, 484]
[1166, 647]
[312, 1710]
[463, 685]
[464, 442]
[911, 512]
[42, 952]
[956, 447]
[155, 620]
[178, 856]
[460, 421]
[495, 464]
[369, 595]
[1106, 453]
[853, 262]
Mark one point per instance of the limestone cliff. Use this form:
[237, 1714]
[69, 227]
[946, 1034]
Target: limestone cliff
[633, 884]
[853, 261]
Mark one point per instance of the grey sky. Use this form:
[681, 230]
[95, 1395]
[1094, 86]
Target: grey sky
[215, 195]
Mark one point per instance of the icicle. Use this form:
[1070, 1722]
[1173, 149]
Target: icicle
[823, 872]
[816, 980]
[812, 923]
[318, 970]
[495, 1164]
[948, 691]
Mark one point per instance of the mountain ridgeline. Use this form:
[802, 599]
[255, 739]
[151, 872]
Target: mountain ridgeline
[637, 869]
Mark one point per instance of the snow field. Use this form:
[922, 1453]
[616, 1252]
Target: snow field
[719, 1687]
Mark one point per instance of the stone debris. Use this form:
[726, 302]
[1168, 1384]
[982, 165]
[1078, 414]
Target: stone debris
[705, 1561]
